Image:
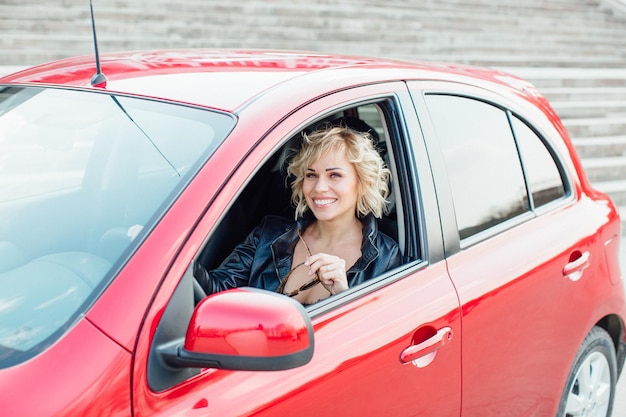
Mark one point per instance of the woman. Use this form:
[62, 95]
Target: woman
[340, 186]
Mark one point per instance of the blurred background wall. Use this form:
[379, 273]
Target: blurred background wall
[573, 50]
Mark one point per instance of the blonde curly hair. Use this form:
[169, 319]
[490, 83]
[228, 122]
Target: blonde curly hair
[359, 149]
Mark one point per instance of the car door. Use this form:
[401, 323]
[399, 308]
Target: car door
[389, 347]
[524, 255]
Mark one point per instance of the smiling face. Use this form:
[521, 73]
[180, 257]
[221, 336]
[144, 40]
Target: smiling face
[331, 187]
[346, 153]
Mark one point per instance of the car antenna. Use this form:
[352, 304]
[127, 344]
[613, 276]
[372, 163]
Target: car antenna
[98, 79]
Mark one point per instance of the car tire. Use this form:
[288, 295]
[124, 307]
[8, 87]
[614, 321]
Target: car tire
[590, 387]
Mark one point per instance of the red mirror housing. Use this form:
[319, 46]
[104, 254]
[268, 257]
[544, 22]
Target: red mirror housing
[246, 329]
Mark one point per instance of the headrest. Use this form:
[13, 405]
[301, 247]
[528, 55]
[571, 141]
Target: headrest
[360, 126]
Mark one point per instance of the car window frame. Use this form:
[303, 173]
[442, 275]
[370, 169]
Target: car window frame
[415, 239]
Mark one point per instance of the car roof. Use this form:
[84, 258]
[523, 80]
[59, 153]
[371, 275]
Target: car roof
[229, 79]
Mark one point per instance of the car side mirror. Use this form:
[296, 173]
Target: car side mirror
[244, 329]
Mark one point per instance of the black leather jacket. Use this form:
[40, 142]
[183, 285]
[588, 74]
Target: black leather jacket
[265, 256]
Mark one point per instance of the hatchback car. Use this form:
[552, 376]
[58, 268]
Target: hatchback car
[510, 300]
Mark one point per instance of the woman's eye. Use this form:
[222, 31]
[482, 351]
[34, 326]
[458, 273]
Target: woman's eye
[310, 175]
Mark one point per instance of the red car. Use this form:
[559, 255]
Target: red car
[510, 300]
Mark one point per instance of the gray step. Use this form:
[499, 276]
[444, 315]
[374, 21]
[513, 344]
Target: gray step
[560, 79]
[596, 126]
[600, 146]
[589, 108]
[565, 94]
[615, 189]
[605, 169]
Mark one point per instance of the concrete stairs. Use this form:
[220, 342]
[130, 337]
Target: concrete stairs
[576, 33]
[573, 50]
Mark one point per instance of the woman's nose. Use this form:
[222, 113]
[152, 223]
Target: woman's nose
[321, 184]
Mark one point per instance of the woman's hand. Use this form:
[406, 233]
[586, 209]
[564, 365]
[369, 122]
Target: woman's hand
[331, 271]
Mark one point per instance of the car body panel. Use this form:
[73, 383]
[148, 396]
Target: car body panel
[502, 309]
[64, 380]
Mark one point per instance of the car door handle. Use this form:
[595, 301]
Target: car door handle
[429, 346]
[574, 269]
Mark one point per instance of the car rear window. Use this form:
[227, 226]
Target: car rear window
[498, 167]
[83, 177]
[543, 174]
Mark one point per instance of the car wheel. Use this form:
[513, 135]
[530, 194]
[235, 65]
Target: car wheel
[590, 386]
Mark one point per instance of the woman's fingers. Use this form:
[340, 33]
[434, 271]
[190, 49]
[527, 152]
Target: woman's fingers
[331, 271]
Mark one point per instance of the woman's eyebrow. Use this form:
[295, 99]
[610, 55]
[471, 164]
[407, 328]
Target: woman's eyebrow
[328, 169]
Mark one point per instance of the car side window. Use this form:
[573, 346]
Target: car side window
[482, 161]
[543, 175]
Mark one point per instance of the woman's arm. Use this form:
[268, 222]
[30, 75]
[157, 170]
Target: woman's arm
[234, 270]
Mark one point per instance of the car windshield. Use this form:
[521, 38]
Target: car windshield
[83, 178]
